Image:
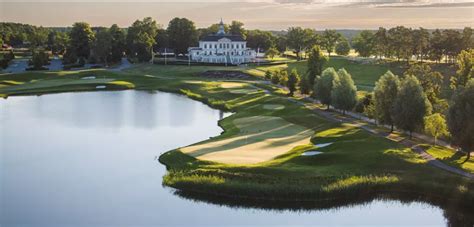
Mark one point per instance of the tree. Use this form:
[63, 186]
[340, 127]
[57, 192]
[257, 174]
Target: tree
[117, 43]
[343, 48]
[39, 59]
[452, 42]
[364, 43]
[323, 86]
[296, 39]
[58, 42]
[315, 64]
[259, 40]
[275, 77]
[421, 43]
[293, 80]
[430, 81]
[400, 42]
[329, 40]
[268, 75]
[344, 92]
[283, 77]
[237, 28]
[381, 43]
[435, 125]
[182, 35]
[465, 63]
[385, 93]
[81, 36]
[102, 46]
[460, 120]
[305, 85]
[436, 48]
[141, 38]
[411, 105]
[271, 52]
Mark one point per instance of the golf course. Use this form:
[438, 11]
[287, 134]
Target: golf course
[264, 153]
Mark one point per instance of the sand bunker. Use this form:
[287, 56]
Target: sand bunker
[261, 138]
[231, 85]
[273, 107]
[321, 145]
[311, 153]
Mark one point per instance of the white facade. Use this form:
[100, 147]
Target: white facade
[222, 48]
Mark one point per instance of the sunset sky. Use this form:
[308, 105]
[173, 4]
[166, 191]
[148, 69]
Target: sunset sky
[262, 14]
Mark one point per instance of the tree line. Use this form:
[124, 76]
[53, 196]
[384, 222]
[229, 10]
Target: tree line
[144, 36]
[410, 102]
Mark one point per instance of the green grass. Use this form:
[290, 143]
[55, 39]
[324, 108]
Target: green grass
[357, 162]
[450, 157]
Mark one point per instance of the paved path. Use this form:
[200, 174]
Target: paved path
[366, 125]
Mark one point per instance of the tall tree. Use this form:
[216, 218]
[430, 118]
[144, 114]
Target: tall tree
[297, 39]
[58, 42]
[465, 63]
[293, 80]
[421, 43]
[182, 35]
[237, 28]
[344, 92]
[381, 43]
[260, 40]
[452, 44]
[364, 43]
[117, 43]
[323, 86]
[343, 47]
[411, 105]
[431, 81]
[436, 48]
[329, 40]
[305, 85]
[81, 36]
[102, 46]
[385, 93]
[435, 126]
[400, 42]
[141, 38]
[315, 64]
[460, 120]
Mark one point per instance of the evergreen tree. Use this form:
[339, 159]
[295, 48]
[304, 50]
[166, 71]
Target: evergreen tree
[315, 64]
[293, 80]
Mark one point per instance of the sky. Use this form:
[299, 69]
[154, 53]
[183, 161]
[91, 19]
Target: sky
[255, 14]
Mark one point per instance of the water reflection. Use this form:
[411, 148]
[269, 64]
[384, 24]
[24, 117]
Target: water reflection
[89, 159]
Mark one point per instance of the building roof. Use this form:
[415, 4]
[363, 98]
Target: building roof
[235, 38]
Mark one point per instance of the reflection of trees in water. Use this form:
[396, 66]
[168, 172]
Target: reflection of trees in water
[183, 110]
[456, 212]
[83, 110]
[144, 110]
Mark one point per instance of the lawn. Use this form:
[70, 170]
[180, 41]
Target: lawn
[272, 168]
[451, 157]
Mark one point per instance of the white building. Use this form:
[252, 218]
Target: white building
[222, 48]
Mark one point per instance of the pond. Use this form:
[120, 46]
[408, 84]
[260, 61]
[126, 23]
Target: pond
[90, 159]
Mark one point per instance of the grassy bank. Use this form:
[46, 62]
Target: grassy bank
[355, 164]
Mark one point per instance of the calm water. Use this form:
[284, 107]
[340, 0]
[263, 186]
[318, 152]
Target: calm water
[90, 159]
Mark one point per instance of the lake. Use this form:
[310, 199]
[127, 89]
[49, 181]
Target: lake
[90, 159]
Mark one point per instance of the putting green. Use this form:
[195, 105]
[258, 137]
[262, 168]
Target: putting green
[261, 138]
[231, 85]
[243, 91]
[273, 107]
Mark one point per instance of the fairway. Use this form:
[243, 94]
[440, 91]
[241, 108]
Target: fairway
[261, 138]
